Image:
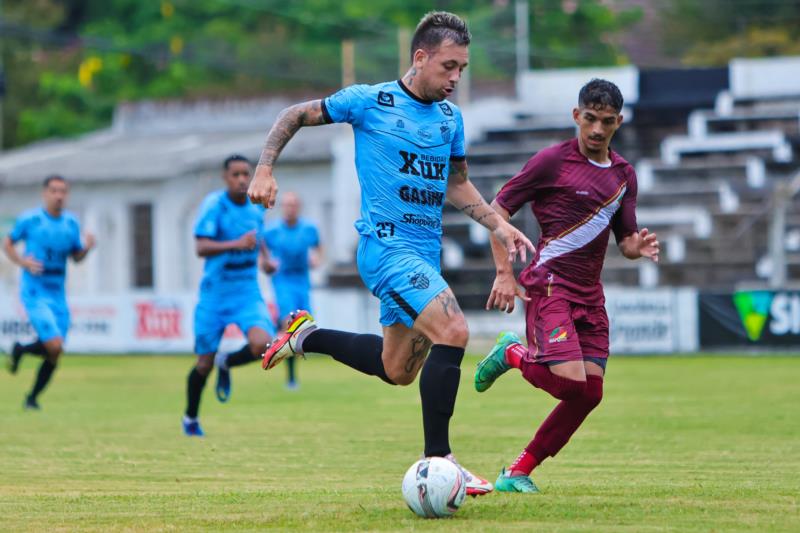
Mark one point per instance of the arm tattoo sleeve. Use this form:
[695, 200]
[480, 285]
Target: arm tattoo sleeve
[286, 125]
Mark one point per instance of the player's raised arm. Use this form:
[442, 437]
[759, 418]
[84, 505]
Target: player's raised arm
[263, 188]
[466, 198]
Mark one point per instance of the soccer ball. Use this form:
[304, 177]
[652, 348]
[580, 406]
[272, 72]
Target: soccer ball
[434, 487]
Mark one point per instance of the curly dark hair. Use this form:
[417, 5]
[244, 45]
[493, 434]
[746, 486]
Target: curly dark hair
[600, 93]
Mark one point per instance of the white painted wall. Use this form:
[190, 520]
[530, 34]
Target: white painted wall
[554, 92]
[764, 77]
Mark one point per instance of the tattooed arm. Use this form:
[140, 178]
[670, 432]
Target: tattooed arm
[263, 188]
[466, 198]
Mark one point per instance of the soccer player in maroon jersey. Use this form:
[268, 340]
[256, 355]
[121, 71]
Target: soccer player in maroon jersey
[579, 191]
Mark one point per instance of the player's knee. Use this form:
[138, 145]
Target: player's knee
[54, 349]
[204, 365]
[594, 392]
[401, 378]
[257, 347]
[455, 333]
[569, 390]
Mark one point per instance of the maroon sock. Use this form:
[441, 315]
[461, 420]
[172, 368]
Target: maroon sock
[514, 354]
[566, 418]
[539, 376]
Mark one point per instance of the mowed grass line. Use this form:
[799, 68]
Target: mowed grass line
[678, 444]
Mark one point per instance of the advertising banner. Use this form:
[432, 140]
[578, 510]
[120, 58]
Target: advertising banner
[769, 319]
[652, 320]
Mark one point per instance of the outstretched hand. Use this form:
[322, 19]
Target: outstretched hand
[515, 242]
[504, 291]
[648, 245]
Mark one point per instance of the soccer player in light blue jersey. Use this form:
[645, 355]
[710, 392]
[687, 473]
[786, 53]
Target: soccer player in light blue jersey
[294, 248]
[227, 235]
[410, 157]
[51, 235]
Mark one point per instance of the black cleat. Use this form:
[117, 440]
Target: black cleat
[14, 358]
[31, 404]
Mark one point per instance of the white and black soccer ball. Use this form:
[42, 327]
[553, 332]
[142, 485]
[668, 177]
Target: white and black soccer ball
[434, 487]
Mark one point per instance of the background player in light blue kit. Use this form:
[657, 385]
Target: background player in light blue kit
[410, 156]
[227, 235]
[51, 235]
[294, 248]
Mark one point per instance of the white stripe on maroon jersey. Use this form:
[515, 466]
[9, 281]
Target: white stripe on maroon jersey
[583, 234]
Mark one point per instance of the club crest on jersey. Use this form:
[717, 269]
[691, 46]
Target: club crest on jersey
[444, 129]
[446, 109]
[386, 99]
[557, 335]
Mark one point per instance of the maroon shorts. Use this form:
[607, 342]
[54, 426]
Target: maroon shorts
[560, 330]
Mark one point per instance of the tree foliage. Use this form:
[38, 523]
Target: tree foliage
[69, 62]
[712, 32]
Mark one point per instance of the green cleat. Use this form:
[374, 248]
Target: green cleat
[494, 365]
[506, 483]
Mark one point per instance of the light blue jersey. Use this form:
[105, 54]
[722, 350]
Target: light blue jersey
[403, 150]
[404, 146]
[290, 246]
[51, 240]
[229, 292]
[234, 271]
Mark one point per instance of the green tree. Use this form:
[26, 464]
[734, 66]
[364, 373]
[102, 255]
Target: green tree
[712, 32]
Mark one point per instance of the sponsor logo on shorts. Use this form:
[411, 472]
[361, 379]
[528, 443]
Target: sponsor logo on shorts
[419, 281]
[557, 335]
[422, 221]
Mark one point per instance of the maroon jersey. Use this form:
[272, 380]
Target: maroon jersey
[576, 203]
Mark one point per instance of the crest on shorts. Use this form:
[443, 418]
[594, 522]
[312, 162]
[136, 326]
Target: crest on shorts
[419, 281]
[557, 335]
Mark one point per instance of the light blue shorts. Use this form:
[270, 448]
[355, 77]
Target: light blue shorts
[291, 295]
[48, 313]
[405, 281]
[212, 316]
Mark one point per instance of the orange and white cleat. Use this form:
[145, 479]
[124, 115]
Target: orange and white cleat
[476, 485]
[286, 345]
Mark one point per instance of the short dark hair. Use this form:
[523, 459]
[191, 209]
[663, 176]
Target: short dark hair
[231, 158]
[437, 26]
[51, 178]
[600, 93]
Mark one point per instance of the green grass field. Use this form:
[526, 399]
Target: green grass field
[679, 444]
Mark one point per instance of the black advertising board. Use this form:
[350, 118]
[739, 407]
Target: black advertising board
[750, 319]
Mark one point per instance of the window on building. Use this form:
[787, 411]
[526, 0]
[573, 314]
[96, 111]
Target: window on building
[142, 245]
